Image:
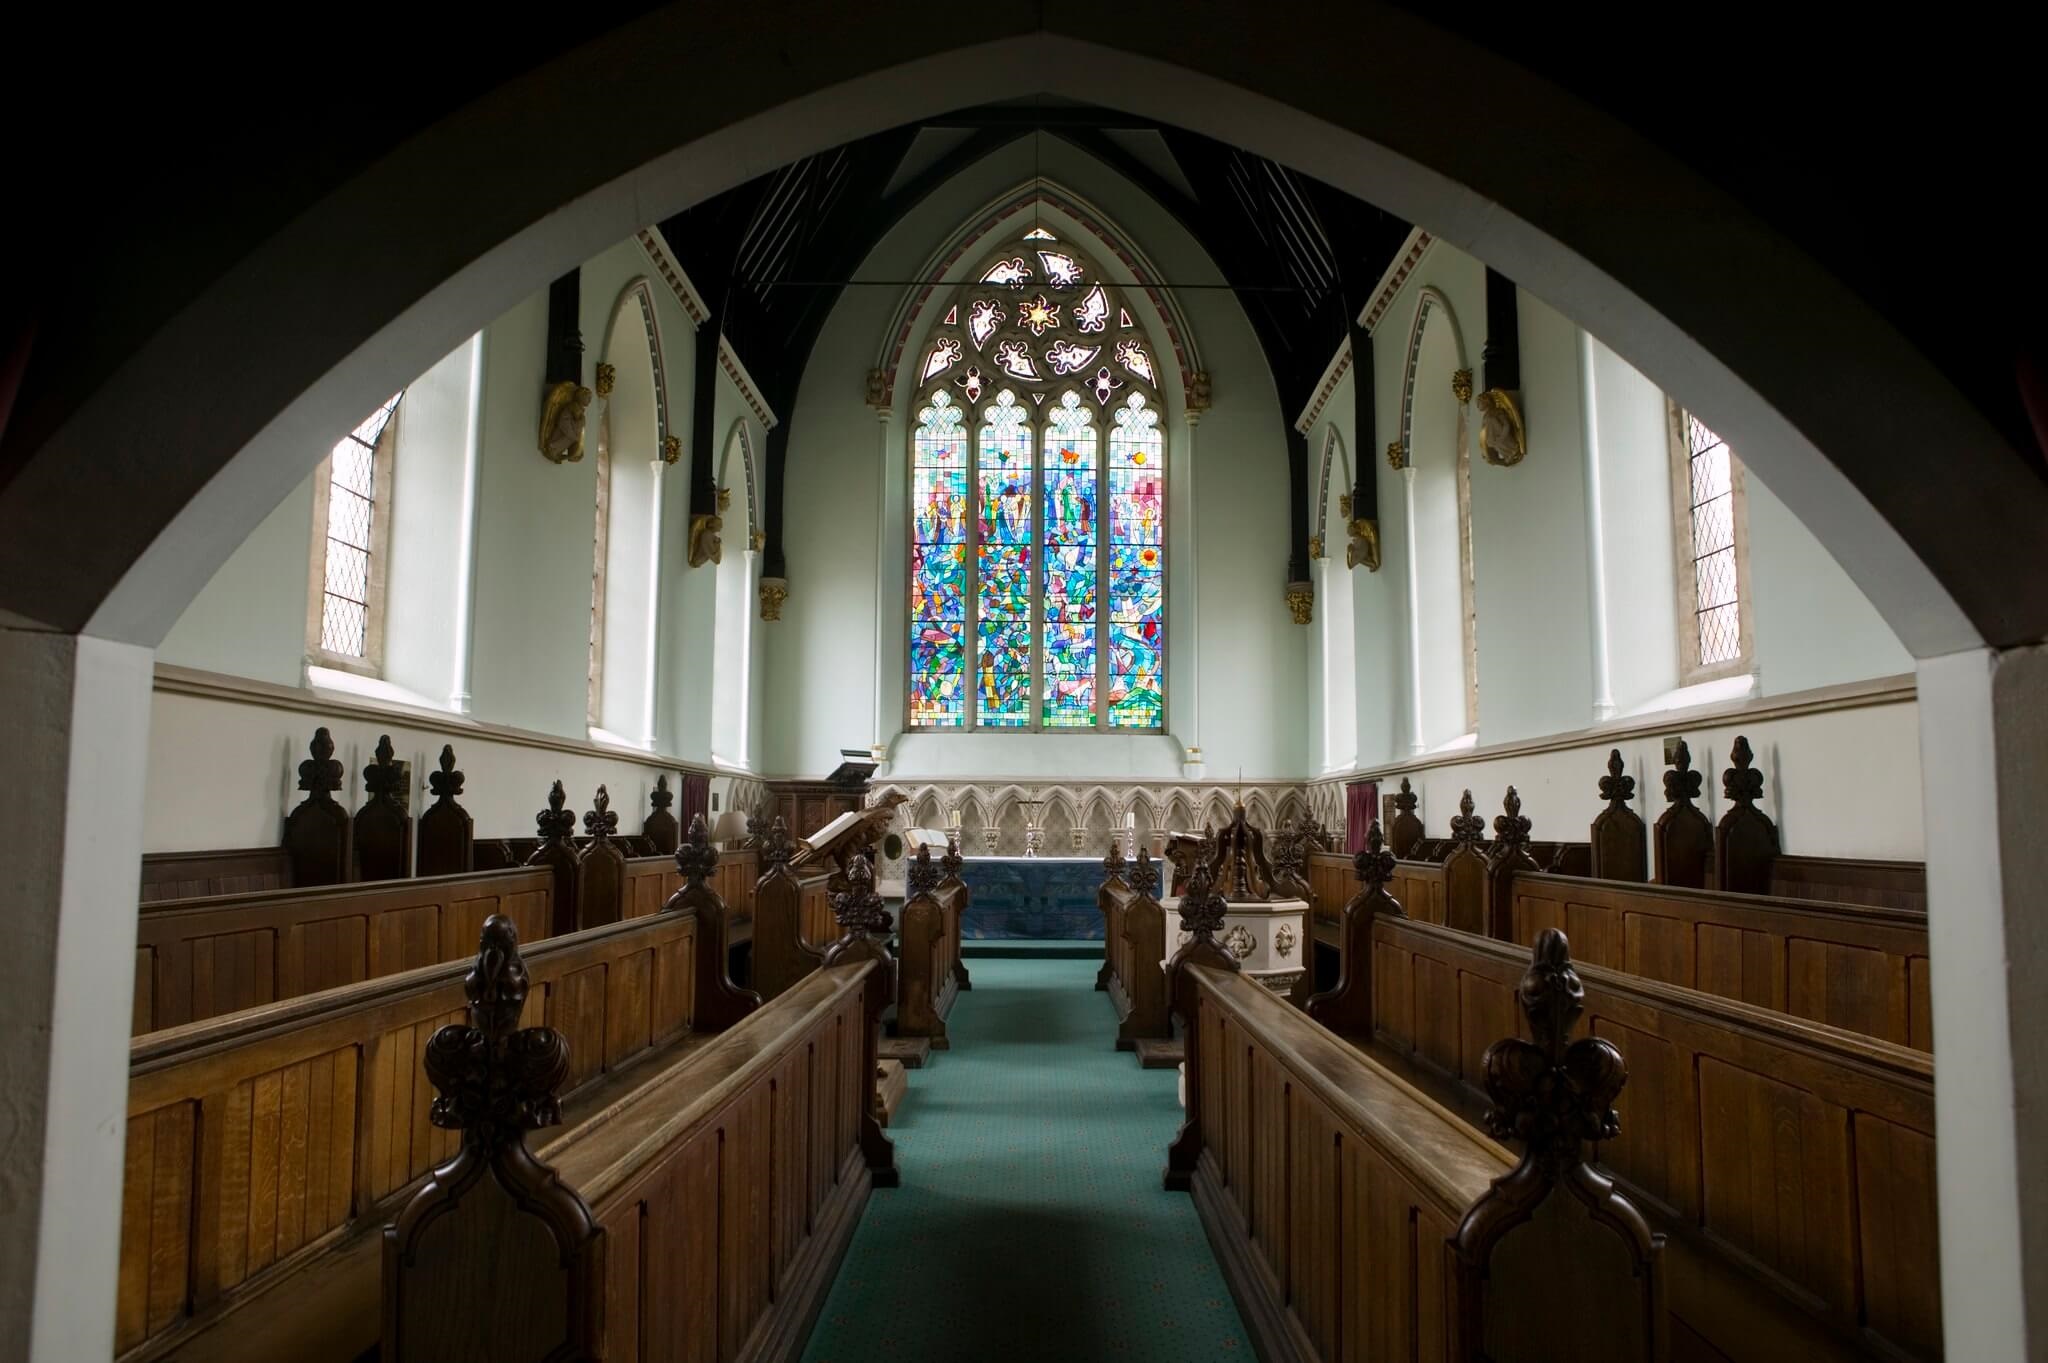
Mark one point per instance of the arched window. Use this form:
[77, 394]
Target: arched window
[1038, 411]
[351, 532]
[1338, 625]
[1434, 451]
[1712, 539]
[631, 424]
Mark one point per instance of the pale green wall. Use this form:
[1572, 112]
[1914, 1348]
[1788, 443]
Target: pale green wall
[1813, 627]
[251, 619]
[425, 579]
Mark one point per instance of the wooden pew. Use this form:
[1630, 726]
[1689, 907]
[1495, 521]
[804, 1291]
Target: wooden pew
[447, 835]
[719, 1001]
[1775, 1151]
[782, 955]
[201, 958]
[1355, 1219]
[925, 987]
[955, 896]
[1134, 946]
[264, 1148]
[703, 1219]
[189, 875]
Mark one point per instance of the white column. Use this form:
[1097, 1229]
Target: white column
[1984, 787]
[1183, 552]
[885, 582]
[1596, 533]
[748, 565]
[1415, 743]
[653, 672]
[465, 543]
[72, 736]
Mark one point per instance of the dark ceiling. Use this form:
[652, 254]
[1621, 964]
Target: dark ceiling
[774, 255]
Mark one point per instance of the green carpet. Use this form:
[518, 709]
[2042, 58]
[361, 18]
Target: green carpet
[1031, 1224]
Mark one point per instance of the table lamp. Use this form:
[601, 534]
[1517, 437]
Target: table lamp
[730, 827]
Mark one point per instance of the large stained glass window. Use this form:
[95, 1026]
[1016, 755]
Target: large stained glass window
[1038, 515]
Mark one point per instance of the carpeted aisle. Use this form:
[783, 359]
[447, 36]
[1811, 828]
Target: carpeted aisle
[1031, 1224]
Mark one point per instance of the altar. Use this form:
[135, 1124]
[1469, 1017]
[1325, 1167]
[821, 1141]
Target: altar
[1035, 897]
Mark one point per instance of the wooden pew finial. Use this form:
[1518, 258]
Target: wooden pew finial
[1144, 875]
[1742, 783]
[602, 821]
[659, 827]
[921, 877]
[1511, 826]
[1553, 1095]
[447, 835]
[1467, 826]
[1114, 867]
[446, 783]
[380, 778]
[1201, 908]
[1615, 787]
[383, 831]
[661, 797]
[320, 774]
[696, 858]
[1373, 864]
[1619, 847]
[1746, 841]
[1405, 834]
[858, 908]
[497, 1081]
[1683, 837]
[1681, 783]
[952, 861]
[775, 848]
[556, 822]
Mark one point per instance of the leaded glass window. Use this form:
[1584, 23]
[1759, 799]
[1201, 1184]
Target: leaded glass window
[353, 507]
[1038, 505]
[1713, 588]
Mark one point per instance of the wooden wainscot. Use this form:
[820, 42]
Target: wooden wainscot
[720, 1002]
[703, 1218]
[782, 955]
[1791, 1163]
[228, 870]
[1356, 1219]
[1137, 986]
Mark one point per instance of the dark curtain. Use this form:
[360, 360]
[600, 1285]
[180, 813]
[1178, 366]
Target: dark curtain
[1361, 807]
[693, 799]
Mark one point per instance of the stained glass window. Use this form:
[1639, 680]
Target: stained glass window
[352, 497]
[1028, 609]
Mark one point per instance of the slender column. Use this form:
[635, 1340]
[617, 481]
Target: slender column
[1183, 483]
[76, 721]
[653, 670]
[1596, 532]
[1415, 743]
[883, 579]
[465, 543]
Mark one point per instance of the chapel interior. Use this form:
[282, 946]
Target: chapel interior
[770, 685]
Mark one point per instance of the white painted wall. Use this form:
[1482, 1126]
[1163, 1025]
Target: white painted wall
[1813, 627]
[845, 530]
[1635, 501]
[251, 619]
[425, 578]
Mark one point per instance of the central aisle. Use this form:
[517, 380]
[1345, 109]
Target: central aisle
[1031, 1224]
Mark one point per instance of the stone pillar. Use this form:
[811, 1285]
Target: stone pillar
[1984, 781]
[74, 739]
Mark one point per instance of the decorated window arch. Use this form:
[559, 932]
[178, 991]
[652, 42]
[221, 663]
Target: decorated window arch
[1038, 504]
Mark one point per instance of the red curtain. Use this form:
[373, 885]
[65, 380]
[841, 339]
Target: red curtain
[1361, 807]
[693, 799]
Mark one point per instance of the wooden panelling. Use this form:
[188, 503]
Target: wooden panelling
[252, 1139]
[186, 875]
[1798, 1155]
[204, 958]
[1863, 968]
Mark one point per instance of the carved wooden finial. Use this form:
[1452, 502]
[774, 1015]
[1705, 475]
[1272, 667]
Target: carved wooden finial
[497, 1080]
[602, 821]
[951, 862]
[757, 823]
[1511, 828]
[1616, 788]
[1404, 798]
[1553, 1093]
[320, 775]
[555, 823]
[381, 778]
[857, 908]
[1143, 875]
[1467, 826]
[447, 782]
[921, 877]
[775, 848]
[1742, 783]
[661, 797]
[1373, 864]
[696, 857]
[1114, 867]
[1201, 908]
[1681, 783]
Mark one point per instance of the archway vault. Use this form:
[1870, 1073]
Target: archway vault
[134, 493]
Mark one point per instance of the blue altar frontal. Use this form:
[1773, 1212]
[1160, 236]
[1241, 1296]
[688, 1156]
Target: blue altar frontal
[1043, 897]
